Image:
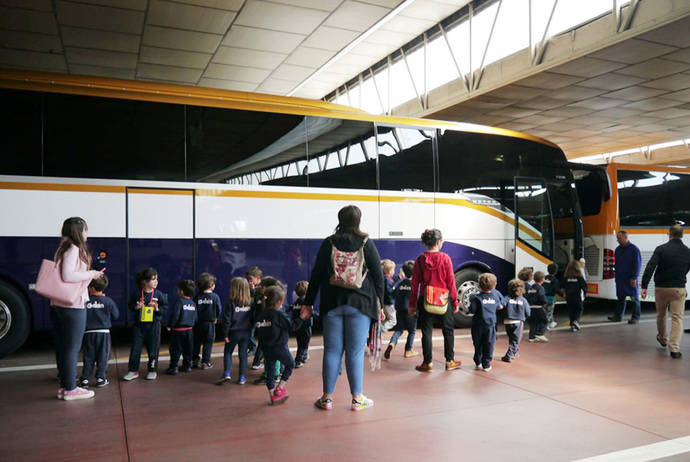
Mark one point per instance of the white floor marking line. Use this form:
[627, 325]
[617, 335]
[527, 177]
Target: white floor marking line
[38, 367]
[647, 452]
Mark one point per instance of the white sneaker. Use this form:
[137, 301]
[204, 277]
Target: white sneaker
[131, 376]
[532, 340]
[362, 404]
[77, 393]
[553, 324]
[256, 367]
[151, 375]
[486, 369]
[541, 338]
[477, 367]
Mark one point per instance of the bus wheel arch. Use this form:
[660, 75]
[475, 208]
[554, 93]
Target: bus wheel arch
[15, 318]
[467, 284]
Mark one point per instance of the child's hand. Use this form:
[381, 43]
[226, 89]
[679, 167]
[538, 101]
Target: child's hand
[305, 312]
[168, 329]
[411, 311]
[401, 274]
[139, 305]
[227, 340]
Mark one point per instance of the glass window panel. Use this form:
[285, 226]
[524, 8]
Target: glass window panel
[541, 10]
[406, 159]
[441, 68]
[648, 198]
[459, 40]
[415, 61]
[401, 89]
[370, 100]
[481, 28]
[381, 78]
[354, 94]
[511, 33]
[535, 215]
[20, 134]
[342, 99]
[570, 13]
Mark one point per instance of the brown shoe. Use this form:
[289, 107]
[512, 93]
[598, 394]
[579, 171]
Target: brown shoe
[425, 367]
[661, 341]
[452, 365]
[387, 353]
[411, 353]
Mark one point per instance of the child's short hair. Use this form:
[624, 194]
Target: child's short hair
[388, 265]
[525, 274]
[487, 281]
[552, 268]
[145, 275]
[186, 286]
[539, 276]
[239, 291]
[301, 288]
[270, 281]
[431, 237]
[99, 284]
[255, 272]
[516, 287]
[206, 281]
[274, 296]
[408, 268]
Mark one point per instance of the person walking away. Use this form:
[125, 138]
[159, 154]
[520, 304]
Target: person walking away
[669, 264]
[516, 312]
[484, 306]
[208, 309]
[401, 295]
[575, 289]
[390, 280]
[628, 264]
[536, 296]
[303, 334]
[182, 320]
[238, 319]
[552, 288]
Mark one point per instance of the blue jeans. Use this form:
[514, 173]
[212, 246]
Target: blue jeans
[70, 326]
[241, 340]
[345, 329]
[621, 305]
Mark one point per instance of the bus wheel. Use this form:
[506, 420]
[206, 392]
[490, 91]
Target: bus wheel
[14, 319]
[467, 283]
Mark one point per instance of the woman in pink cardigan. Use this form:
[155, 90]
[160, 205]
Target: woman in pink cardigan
[74, 259]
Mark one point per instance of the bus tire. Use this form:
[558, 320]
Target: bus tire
[15, 319]
[467, 283]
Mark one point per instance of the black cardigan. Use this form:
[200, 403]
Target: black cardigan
[363, 298]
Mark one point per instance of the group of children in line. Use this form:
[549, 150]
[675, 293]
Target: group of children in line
[255, 309]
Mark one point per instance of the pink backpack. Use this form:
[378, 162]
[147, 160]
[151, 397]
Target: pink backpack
[348, 267]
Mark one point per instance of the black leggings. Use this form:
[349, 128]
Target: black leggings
[70, 324]
[426, 324]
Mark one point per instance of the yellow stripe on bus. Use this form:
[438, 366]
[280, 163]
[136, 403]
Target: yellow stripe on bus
[533, 253]
[183, 192]
[62, 187]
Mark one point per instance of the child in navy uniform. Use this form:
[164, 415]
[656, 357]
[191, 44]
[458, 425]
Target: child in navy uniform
[484, 306]
[303, 334]
[146, 332]
[208, 309]
[273, 328]
[254, 275]
[575, 289]
[525, 275]
[552, 287]
[259, 306]
[408, 323]
[389, 280]
[181, 323]
[537, 301]
[100, 312]
[238, 317]
[514, 317]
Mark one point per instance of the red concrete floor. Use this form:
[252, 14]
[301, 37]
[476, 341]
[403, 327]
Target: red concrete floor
[604, 389]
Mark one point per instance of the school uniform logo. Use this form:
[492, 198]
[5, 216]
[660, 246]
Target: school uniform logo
[242, 309]
[488, 301]
[263, 324]
[95, 305]
[189, 307]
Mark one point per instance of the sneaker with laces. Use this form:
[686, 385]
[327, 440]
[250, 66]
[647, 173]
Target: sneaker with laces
[298, 364]
[633, 321]
[477, 367]
[553, 324]
[256, 367]
[84, 383]
[223, 380]
[487, 368]
[101, 382]
[532, 339]
[242, 380]
[411, 353]
[452, 365]
[172, 371]
[576, 324]
[77, 393]
[361, 404]
[151, 375]
[424, 367]
[131, 375]
[280, 395]
[507, 359]
[325, 404]
[207, 365]
[541, 338]
[387, 353]
[61, 393]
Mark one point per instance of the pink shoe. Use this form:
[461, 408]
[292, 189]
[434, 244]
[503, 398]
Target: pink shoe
[61, 393]
[280, 395]
[77, 393]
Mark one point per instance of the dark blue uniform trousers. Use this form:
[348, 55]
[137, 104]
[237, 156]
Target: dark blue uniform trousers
[181, 343]
[95, 352]
[149, 334]
[514, 332]
[484, 338]
[282, 354]
[204, 334]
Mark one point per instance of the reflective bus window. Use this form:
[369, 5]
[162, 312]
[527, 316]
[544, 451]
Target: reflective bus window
[534, 211]
[405, 159]
[648, 198]
[21, 133]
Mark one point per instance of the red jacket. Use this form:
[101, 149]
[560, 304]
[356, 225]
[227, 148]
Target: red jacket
[433, 269]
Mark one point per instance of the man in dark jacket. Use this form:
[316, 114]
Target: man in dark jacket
[628, 264]
[670, 264]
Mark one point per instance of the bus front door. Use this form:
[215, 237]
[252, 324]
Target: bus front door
[534, 233]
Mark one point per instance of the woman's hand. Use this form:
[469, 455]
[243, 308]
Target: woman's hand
[306, 312]
[382, 315]
[227, 340]
[411, 311]
[96, 274]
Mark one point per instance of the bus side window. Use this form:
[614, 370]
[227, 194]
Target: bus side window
[405, 158]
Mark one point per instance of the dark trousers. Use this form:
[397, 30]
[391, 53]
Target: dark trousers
[241, 340]
[575, 308]
[405, 323]
[95, 352]
[484, 339]
[69, 330]
[303, 337]
[149, 334]
[537, 321]
[181, 343]
[204, 334]
[514, 332]
[282, 354]
[426, 324]
[622, 303]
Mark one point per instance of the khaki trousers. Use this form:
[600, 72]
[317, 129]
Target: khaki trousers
[674, 299]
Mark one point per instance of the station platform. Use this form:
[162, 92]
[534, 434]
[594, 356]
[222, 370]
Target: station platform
[592, 394]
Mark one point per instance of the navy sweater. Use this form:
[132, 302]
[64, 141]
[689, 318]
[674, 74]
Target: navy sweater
[402, 293]
[484, 306]
[237, 318]
[389, 289]
[551, 285]
[273, 328]
[295, 311]
[183, 313]
[100, 312]
[536, 296]
[575, 289]
[157, 295]
[516, 308]
[208, 307]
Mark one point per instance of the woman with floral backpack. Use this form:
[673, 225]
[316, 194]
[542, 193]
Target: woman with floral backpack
[433, 287]
[348, 273]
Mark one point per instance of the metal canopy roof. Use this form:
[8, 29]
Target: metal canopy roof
[248, 45]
